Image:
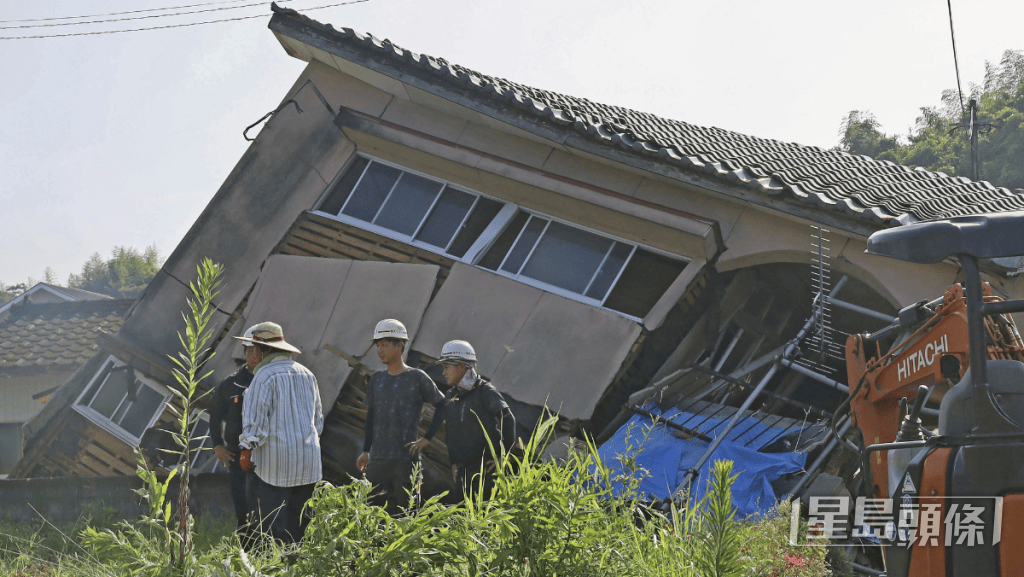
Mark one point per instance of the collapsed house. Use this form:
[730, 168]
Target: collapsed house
[598, 258]
[46, 334]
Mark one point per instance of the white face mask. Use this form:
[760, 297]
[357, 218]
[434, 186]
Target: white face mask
[468, 380]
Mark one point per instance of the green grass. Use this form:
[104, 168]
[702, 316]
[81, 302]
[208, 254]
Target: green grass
[542, 519]
[40, 548]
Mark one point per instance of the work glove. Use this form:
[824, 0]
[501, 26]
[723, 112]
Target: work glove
[245, 460]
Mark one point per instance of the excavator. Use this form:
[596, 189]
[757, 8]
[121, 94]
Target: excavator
[963, 354]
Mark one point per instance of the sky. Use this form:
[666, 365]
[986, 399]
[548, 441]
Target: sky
[122, 139]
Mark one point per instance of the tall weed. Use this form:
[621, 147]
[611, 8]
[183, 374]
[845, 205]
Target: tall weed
[539, 519]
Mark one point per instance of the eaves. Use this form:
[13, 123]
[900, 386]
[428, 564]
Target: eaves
[558, 128]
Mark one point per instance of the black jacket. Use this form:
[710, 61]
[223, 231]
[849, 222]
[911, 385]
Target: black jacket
[464, 412]
[227, 409]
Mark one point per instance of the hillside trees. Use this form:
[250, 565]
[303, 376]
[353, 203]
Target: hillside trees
[936, 144]
[125, 274]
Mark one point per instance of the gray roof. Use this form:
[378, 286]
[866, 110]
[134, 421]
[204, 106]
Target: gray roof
[79, 294]
[872, 192]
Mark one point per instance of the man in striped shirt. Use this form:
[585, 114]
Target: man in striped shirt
[282, 419]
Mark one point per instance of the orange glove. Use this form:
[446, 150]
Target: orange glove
[245, 460]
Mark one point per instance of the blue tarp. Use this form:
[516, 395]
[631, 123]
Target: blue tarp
[667, 458]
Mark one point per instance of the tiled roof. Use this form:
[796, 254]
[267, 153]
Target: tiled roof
[862, 188]
[57, 334]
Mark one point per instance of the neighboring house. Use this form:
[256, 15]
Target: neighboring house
[41, 293]
[42, 344]
[585, 250]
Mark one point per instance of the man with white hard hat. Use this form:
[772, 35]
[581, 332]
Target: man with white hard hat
[477, 417]
[282, 419]
[226, 412]
[395, 398]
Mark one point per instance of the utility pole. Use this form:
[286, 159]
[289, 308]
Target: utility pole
[973, 129]
[975, 161]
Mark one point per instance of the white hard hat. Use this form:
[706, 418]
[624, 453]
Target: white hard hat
[390, 329]
[457, 352]
[248, 336]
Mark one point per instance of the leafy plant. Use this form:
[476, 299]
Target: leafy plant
[133, 544]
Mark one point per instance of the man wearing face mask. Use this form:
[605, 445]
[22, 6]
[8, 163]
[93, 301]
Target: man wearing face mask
[474, 411]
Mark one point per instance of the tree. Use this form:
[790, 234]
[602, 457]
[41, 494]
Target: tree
[938, 140]
[860, 134]
[124, 275]
[11, 292]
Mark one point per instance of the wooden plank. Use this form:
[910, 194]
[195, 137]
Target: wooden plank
[99, 467]
[367, 240]
[109, 460]
[388, 253]
[337, 250]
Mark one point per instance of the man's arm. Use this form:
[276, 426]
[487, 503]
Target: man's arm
[318, 418]
[255, 414]
[436, 422]
[368, 434]
[507, 421]
[217, 411]
[368, 400]
[429, 393]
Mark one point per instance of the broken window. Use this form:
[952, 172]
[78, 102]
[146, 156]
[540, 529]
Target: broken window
[122, 402]
[411, 207]
[536, 249]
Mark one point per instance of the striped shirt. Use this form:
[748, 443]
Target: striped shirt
[282, 419]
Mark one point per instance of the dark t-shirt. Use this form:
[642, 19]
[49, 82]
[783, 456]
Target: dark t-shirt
[397, 403]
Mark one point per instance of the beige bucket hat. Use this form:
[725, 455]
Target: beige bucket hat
[271, 335]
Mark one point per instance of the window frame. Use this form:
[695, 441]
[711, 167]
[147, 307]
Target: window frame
[102, 420]
[582, 297]
[205, 446]
[490, 234]
[487, 236]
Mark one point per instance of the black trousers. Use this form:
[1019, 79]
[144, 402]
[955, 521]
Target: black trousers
[393, 483]
[277, 511]
[238, 495]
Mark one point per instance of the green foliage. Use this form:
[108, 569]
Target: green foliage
[722, 554]
[186, 372]
[936, 144]
[554, 518]
[766, 552]
[153, 546]
[124, 275]
[541, 518]
[861, 134]
[11, 292]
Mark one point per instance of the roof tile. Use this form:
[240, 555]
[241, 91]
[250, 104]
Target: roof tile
[875, 190]
[59, 334]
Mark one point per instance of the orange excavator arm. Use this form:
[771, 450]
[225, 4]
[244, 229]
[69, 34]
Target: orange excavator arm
[935, 353]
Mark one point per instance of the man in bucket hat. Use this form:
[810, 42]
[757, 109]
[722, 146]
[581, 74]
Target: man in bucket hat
[282, 419]
[395, 398]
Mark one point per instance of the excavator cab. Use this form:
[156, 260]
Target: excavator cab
[970, 475]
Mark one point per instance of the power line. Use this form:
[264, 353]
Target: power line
[956, 63]
[121, 13]
[172, 25]
[138, 17]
